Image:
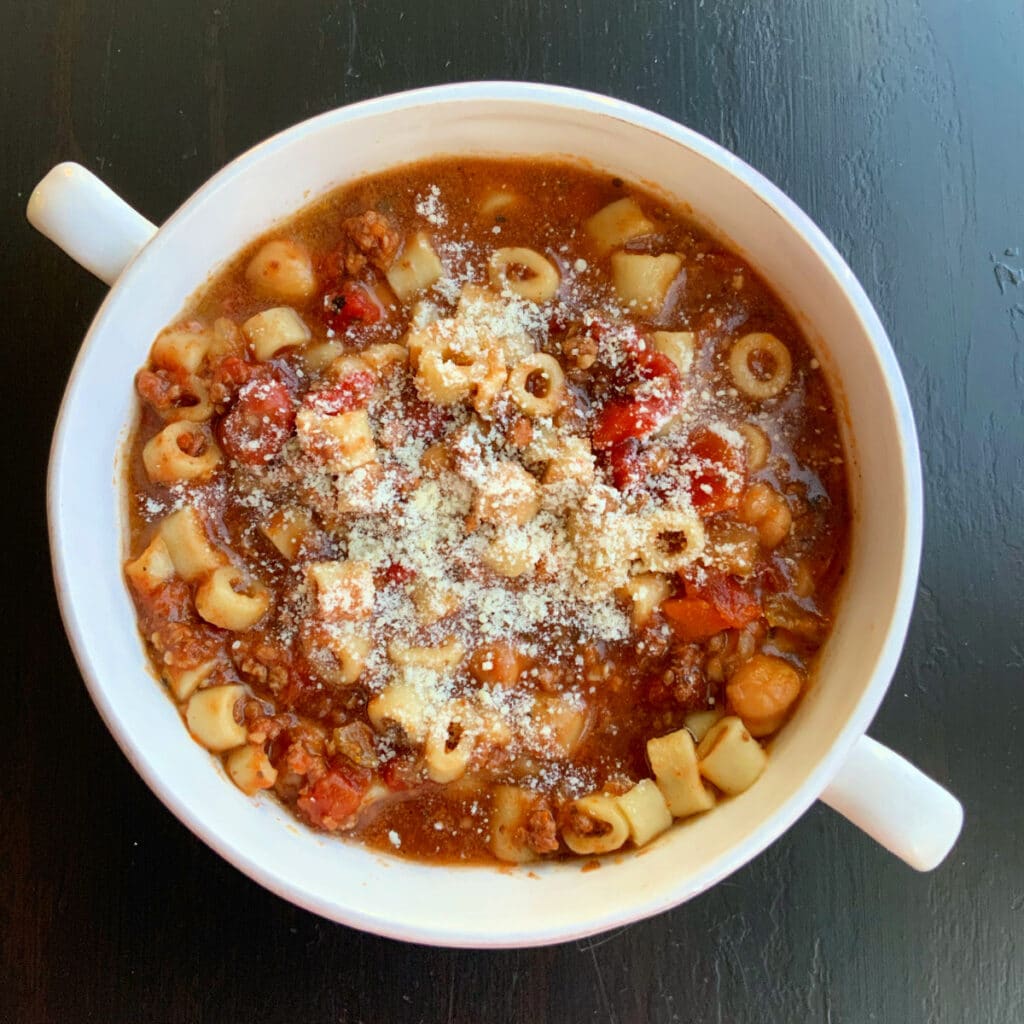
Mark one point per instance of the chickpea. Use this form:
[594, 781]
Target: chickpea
[282, 270]
[498, 664]
[763, 507]
[761, 692]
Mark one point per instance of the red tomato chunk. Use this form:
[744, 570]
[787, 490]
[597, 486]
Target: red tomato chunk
[351, 304]
[260, 423]
[330, 801]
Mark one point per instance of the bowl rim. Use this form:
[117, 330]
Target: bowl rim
[890, 648]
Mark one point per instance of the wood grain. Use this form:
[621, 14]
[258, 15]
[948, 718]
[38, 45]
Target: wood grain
[897, 126]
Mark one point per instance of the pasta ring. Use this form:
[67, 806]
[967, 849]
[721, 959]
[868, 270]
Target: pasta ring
[541, 282]
[745, 379]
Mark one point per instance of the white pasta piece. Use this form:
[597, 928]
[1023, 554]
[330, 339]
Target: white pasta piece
[282, 270]
[316, 358]
[524, 272]
[506, 494]
[537, 385]
[183, 682]
[645, 593]
[495, 202]
[416, 269]
[679, 346]
[227, 340]
[210, 716]
[226, 599]
[152, 568]
[617, 223]
[645, 811]
[250, 769]
[571, 461]
[512, 553]
[287, 528]
[275, 330]
[490, 379]
[642, 282]
[443, 381]
[672, 539]
[344, 589]
[758, 446]
[349, 650]
[434, 600]
[343, 441]
[381, 357]
[674, 763]
[348, 363]
[771, 353]
[510, 808]
[730, 757]
[181, 348]
[560, 724]
[439, 658]
[402, 703]
[165, 460]
[190, 549]
[612, 831]
[450, 743]
[698, 723]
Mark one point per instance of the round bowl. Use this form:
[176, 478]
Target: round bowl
[822, 752]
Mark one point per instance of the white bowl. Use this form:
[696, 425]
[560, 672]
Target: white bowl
[823, 753]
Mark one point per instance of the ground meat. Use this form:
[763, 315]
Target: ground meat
[684, 683]
[369, 238]
[541, 832]
[164, 389]
[262, 662]
[580, 349]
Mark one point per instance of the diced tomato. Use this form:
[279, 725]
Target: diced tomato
[351, 304]
[260, 422]
[718, 482]
[693, 618]
[627, 464]
[730, 599]
[330, 801]
[353, 391]
[399, 774]
[396, 573]
[638, 411]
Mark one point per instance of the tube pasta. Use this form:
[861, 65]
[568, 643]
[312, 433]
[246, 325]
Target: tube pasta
[495, 202]
[152, 568]
[349, 650]
[541, 280]
[645, 594]
[282, 270]
[674, 763]
[167, 461]
[561, 725]
[186, 541]
[642, 282]
[416, 269]
[545, 369]
[757, 444]
[183, 682]
[210, 716]
[645, 811]
[344, 589]
[509, 811]
[611, 827]
[275, 330]
[316, 358]
[181, 348]
[617, 223]
[442, 658]
[400, 703]
[769, 349]
[506, 494]
[287, 528]
[697, 723]
[226, 600]
[730, 757]
[679, 346]
[672, 540]
[250, 769]
[343, 441]
[450, 743]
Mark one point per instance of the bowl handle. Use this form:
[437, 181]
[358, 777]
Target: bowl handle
[92, 224]
[897, 805]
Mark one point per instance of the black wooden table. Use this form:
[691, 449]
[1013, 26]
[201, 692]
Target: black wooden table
[898, 126]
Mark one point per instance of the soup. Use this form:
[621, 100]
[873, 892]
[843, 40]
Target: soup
[487, 510]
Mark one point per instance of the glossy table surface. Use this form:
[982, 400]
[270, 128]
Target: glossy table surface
[897, 126]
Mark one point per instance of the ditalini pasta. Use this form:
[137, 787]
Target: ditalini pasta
[487, 510]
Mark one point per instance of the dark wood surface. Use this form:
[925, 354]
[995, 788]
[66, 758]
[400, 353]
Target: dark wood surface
[898, 127]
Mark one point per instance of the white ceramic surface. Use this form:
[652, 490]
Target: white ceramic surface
[823, 753]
